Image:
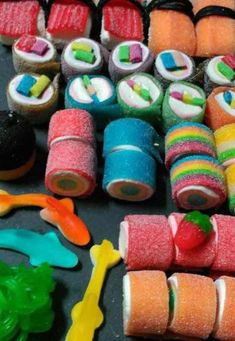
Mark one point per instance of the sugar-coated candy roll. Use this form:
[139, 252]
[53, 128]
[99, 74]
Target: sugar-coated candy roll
[140, 95]
[224, 328]
[96, 94]
[219, 71]
[196, 258]
[33, 96]
[198, 182]
[17, 146]
[220, 107]
[171, 27]
[230, 177]
[225, 144]
[145, 303]
[129, 175]
[83, 56]
[215, 27]
[183, 101]
[145, 242]
[192, 305]
[224, 226]
[173, 65]
[188, 138]
[121, 21]
[34, 54]
[129, 57]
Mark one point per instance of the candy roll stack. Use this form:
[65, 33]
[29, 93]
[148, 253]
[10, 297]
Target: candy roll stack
[145, 303]
[225, 144]
[230, 177]
[136, 246]
[198, 182]
[188, 138]
[71, 164]
[192, 304]
[183, 101]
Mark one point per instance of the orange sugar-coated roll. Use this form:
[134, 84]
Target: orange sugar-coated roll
[192, 305]
[218, 113]
[145, 303]
[171, 30]
[215, 34]
[224, 328]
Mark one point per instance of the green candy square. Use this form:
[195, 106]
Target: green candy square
[124, 54]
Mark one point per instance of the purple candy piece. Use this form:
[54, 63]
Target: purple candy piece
[136, 54]
[40, 47]
[131, 83]
[177, 95]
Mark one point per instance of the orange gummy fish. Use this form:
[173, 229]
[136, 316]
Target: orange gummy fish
[59, 213]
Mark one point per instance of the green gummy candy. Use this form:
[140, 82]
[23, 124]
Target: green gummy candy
[85, 56]
[124, 53]
[198, 101]
[171, 300]
[145, 94]
[226, 71]
[86, 81]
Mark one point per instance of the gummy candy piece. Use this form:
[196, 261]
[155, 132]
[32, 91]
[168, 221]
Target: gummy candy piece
[124, 53]
[40, 86]
[25, 85]
[81, 46]
[25, 43]
[84, 56]
[40, 47]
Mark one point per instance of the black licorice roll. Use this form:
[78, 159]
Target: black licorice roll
[17, 146]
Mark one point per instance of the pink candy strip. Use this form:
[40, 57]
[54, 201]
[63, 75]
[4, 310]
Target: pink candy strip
[40, 47]
[136, 54]
[229, 60]
[131, 83]
[177, 95]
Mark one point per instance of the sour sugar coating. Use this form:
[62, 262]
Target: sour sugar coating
[224, 328]
[218, 111]
[198, 258]
[224, 226]
[215, 27]
[198, 182]
[167, 19]
[230, 177]
[145, 304]
[193, 305]
[145, 242]
[188, 138]
[225, 144]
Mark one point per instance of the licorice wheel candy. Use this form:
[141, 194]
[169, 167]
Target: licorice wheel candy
[225, 144]
[145, 242]
[145, 303]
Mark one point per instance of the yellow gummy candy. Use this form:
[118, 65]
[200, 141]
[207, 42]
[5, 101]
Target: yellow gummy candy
[187, 98]
[81, 46]
[233, 104]
[38, 88]
[137, 88]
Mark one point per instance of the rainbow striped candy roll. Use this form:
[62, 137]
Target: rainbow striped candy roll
[140, 96]
[182, 102]
[198, 182]
[225, 144]
[145, 303]
[192, 305]
[188, 138]
[230, 177]
[121, 65]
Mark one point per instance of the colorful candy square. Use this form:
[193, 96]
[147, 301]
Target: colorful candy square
[26, 83]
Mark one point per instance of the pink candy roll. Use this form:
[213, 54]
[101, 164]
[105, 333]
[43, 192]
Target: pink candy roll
[145, 242]
[71, 124]
[224, 226]
[200, 257]
[71, 168]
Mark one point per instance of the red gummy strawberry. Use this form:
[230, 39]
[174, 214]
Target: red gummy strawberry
[193, 231]
[26, 42]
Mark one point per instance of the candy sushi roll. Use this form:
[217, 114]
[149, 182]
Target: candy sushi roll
[192, 305]
[96, 94]
[195, 258]
[69, 20]
[145, 303]
[129, 57]
[34, 54]
[17, 146]
[198, 182]
[140, 95]
[219, 71]
[83, 56]
[224, 226]
[19, 18]
[183, 102]
[33, 96]
[171, 26]
[225, 144]
[230, 177]
[145, 242]
[129, 175]
[188, 138]
[220, 107]
[121, 21]
[215, 27]
[224, 328]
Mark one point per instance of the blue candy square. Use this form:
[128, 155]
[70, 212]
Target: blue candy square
[25, 85]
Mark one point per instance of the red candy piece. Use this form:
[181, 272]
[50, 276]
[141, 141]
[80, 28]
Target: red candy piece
[18, 17]
[25, 43]
[69, 17]
[189, 236]
[229, 60]
[123, 19]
